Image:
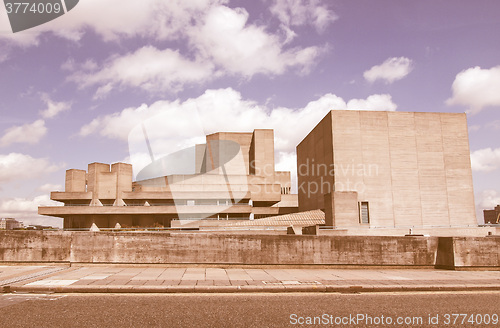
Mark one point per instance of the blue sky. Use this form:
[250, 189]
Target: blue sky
[73, 89]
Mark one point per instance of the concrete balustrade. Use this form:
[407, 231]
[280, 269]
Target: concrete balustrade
[201, 248]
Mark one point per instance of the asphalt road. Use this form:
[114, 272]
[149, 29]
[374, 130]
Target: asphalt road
[250, 310]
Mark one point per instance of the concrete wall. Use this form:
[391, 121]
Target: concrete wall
[262, 153]
[218, 152]
[476, 251]
[34, 246]
[177, 248]
[364, 230]
[413, 168]
[314, 165]
[123, 178]
[341, 209]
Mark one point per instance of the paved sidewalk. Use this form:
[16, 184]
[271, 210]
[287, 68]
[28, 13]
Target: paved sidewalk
[154, 279]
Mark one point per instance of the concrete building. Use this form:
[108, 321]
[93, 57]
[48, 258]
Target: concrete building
[372, 169]
[492, 216]
[10, 224]
[231, 177]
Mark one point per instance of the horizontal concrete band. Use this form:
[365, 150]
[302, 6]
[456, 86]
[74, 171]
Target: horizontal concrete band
[175, 248]
[243, 289]
[146, 210]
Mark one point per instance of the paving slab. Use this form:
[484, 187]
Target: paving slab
[205, 283]
[194, 274]
[83, 282]
[109, 278]
[216, 274]
[154, 283]
[238, 275]
[136, 282]
[259, 274]
[102, 282]
[118, 281]
[171, 282]
[238, 282]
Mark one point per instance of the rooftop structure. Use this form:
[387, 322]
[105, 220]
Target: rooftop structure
[302, 219]
[492, 216]
[231, 177]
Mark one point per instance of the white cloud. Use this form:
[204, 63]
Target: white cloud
[239, 48]
[215, 111]
[476, 88]
[486, 200]
[374, 102]
[28, 133]
[303, 12]
[118, 125]
[485, 160]
[147, 68]
[48, 187]
[287, 161]
[115, 19]
[26, 210]
[391, 70]
[15, 166]
[20, 205]
[221, 42]
[53, 107]
[214, 107]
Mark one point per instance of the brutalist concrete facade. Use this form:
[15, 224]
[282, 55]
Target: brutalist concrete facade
[374, 169]
[233, 179]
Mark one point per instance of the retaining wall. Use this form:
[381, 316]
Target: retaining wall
[204, 248]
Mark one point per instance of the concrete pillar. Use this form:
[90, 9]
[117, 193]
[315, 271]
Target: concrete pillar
[92, 177]
[329, 209]
[262, 153]
[341, 209]
[230, 150]
[123, 174]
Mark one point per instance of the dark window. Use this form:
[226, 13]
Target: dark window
[364, 212]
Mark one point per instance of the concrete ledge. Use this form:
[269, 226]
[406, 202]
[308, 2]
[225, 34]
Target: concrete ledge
[245, 289]
[256, 266]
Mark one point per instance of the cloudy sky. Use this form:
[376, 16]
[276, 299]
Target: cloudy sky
[73, 90]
